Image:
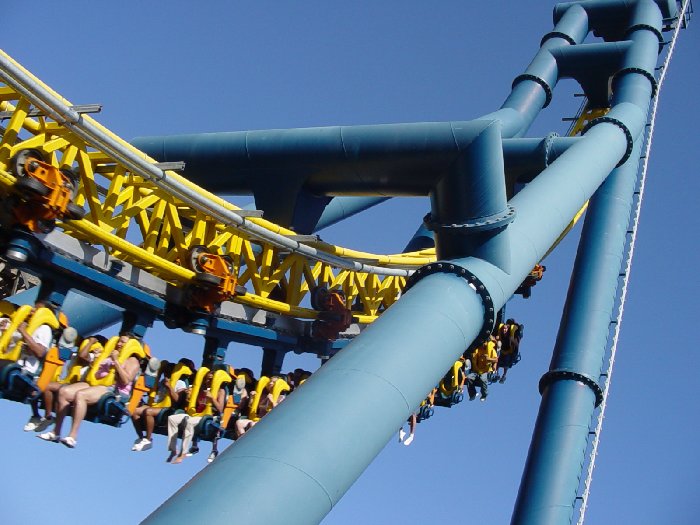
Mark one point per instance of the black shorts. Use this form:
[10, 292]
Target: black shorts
[507, 360]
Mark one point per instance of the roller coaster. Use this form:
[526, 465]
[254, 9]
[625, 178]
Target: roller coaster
[106, 230]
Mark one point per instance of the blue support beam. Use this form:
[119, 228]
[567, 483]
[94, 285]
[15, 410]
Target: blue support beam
[404, 353]
[570, 394]
[398, 359]
[570, 389]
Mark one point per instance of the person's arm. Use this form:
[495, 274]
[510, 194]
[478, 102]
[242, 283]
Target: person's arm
[126, 372]
[218, 402]
[272, 402]
[171, 391]
[84, 350]
[30, 343]
[175, 393]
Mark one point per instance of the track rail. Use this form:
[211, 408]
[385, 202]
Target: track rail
[151, 218]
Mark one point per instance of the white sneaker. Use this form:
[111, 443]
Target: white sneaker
[32, 424]
[212, 457]
[142, 445]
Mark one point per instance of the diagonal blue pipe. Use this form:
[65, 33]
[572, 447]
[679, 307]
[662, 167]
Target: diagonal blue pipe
[398, 359]
[550, 480]
[570, 393]
[403, 354]
[351, 160]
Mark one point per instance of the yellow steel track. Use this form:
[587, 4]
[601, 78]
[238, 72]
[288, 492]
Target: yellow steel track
[137, 220]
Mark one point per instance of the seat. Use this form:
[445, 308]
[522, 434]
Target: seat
[41, 316]
[131, 348]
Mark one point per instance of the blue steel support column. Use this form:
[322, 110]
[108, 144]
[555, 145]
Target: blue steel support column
[551, 477]
[343, 207]
[570, 389]
[469, 207]
[214, 350]
[522, 160]
[532, 90]
[397, 359]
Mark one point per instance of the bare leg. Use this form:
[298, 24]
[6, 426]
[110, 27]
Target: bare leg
[242, 426]
[66, 395]
[49, 394]
[137, 420]
[83, 399]
[150, 419]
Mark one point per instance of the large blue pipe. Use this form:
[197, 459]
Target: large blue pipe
[341, 208]
[570, 394]
[348, 160]
[397, 359]
[418, 337]
[551, 476]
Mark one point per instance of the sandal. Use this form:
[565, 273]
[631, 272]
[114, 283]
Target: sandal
[48, 436]
[68, 441]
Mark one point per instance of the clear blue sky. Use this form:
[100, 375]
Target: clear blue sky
[174, 67]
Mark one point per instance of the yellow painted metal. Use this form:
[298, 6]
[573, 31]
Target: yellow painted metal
[142, 224]
[139, 223]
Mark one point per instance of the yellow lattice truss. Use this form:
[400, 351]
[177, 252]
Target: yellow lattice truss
[134, 220]
[139, 223]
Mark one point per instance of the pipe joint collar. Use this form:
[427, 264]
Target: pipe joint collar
[643, 72]
[569, 375]
[547, 145]
[557, 34]
[538, 80]
[646, 27]
[490, 222]
[474, 283]
[619, 124]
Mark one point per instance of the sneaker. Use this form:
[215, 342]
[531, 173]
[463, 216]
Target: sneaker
[45, 423]
[68, 441]
[192, 451]
[212, 456]
[32, 423]
[483, 397]
[502, 380]
[48, 436]
[142, 445]
[472, 398]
